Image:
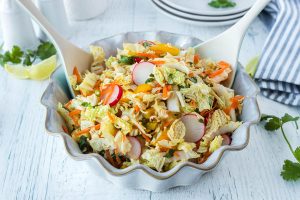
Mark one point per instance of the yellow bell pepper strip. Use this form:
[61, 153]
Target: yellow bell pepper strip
[165, 48]
[143, 88]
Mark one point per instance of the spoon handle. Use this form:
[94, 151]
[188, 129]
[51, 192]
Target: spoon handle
[59, 42]
[239, 29]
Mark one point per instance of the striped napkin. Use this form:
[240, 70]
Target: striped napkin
[278, 72]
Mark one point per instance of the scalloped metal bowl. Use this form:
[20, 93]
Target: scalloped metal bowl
[140, 176]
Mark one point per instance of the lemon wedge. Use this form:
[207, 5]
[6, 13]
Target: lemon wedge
[39, 71]
[18, 71]
[43, 69]
[252, 66]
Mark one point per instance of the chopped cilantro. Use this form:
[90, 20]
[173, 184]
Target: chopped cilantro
[170, 153]
[126, 60]
[222, 3]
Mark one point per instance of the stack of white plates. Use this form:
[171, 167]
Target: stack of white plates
[198, 12]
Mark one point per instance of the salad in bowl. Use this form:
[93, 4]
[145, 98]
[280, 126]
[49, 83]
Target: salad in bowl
[152, 104]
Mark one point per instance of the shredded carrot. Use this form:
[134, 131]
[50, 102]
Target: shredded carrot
[86, 130]
[217, 73]
[97, 84]
[193, 103]
[148, 55]
[68, 104]
[169, 87]
[77, 74]
[74, 112]
[97, 127]
[191, 74]
[235, 102]
[75, 120]
[65, 129]
[79, 133]
[167, 123]
[158, 62]
[196, 58]
[223, 64]
[165, 92]
[107, 92]
[146, 137]
[136, 109]
[176, 154]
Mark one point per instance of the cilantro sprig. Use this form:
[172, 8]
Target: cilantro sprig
[290, 170]
[27, 57]
[222, 3]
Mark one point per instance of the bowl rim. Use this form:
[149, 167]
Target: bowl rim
[157, 175]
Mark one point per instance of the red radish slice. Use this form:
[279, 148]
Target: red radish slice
[136, 148]
[226, 139]
[141, 72]
[194, 129]
[115, 96]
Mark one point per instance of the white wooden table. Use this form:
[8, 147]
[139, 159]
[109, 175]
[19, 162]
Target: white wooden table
[34, 165]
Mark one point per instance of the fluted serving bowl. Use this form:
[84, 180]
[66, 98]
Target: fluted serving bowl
[141, 176]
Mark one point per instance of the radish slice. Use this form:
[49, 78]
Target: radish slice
[136, 148]
[226, 139]
[115, 96]
[173, 103]
[141, 72]
[194, 129]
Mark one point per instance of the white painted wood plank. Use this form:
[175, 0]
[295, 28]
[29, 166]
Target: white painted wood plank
[34, 165]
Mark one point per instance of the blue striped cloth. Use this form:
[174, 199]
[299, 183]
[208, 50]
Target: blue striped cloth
[278, 72]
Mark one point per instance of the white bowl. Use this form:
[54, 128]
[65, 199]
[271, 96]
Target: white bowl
[140, 176]
[85, 9]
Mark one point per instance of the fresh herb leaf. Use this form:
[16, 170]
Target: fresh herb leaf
[97, 93]
[150, 79]
[193, 79]
[222, 3]
[17, 56]
[86, 104]
[273, 124]
[170, 153]
[83, 144]
[290, 171]
[288, 118]
[45, 50]
[29, 57]
[146, 44]
[13, 56]
[126, 60]
[266, 117]
[297, 153]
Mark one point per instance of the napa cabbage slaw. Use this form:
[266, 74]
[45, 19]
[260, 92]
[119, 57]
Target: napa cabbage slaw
[153, 104]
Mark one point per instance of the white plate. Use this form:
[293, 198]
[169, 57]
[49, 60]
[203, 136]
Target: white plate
[194, 21]
[196, 16]
[201, 7]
